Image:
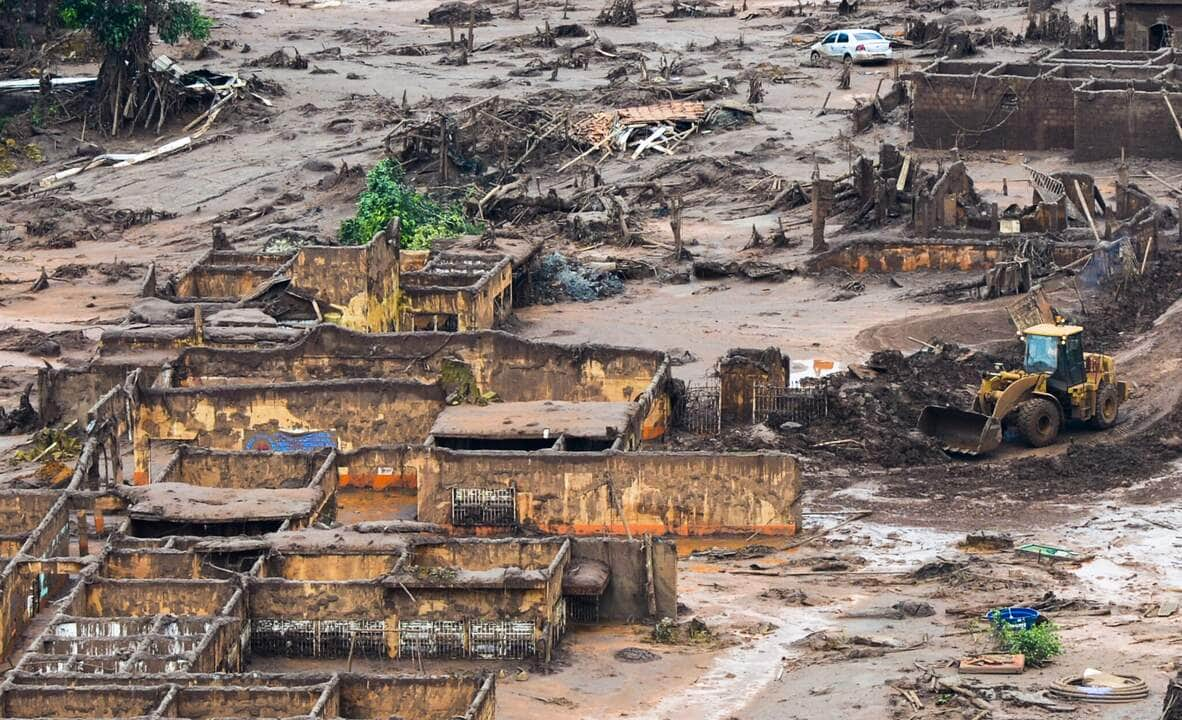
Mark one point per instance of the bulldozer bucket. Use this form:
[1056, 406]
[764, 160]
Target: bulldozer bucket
[961, 431]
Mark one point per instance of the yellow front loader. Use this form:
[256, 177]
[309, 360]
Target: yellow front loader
[1058, 382]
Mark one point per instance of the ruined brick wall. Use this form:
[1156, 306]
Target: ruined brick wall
[351, 413]
[224, 469]
[36, 524]
[430, 697]
[1140, 18]
[903, 256]
[44, 702]
[626, 596]
[479, 307]
[222, 282]
[518, 370]
[336, 274]
[981, 112]
[65, 394]
[614, 492]
[739, 371]
[1134, 119]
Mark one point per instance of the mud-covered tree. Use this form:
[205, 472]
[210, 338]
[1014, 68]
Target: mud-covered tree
[127, 90]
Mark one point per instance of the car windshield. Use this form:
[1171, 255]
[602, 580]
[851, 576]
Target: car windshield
[868, 36]
[1042, 353]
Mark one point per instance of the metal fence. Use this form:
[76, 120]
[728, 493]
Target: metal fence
[703, 408]
[788, 404]
[318, 638]
[458, 638]
[484, 506]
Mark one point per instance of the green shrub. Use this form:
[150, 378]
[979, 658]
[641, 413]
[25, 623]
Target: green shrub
[1039, 644]
[386, 196]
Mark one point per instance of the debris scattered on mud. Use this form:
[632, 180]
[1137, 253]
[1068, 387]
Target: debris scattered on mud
[562, 278]
[636, 655]
[39, 343]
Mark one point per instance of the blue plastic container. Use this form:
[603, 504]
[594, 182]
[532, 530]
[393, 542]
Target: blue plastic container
[1016, 617]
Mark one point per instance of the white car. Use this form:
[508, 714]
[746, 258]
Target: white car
[857, 45]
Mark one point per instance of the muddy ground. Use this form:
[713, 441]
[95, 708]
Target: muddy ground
[291, 171]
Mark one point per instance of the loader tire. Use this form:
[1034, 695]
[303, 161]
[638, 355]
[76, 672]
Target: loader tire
[1038, 421]
[1107, 407]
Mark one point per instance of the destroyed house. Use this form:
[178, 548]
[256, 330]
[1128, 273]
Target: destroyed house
[1094, 102]
[207, 492]
[1150, 24]
[484, 428]
[375, 287]
[34, 525]
[199, 605]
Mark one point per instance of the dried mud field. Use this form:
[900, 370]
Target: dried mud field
[884, 590]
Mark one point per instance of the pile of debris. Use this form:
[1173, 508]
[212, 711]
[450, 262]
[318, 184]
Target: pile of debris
[456, 13]
[699, 9]
[494, 137]
[661, 127]
[560, 278]
[1056, 26]
[952, 40]
[872, 409]
[21, 419]
[657, 127]
[621, 13]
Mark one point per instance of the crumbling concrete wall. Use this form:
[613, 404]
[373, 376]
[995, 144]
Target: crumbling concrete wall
[893, 256]
[626, 598]
[1126, 114]
[974, 106]
[483, 304]
[739, 371]
[331, 566]
[245, 702]
[1141, 17]
[148, 598]
[65, 702]
[227, 274]
[36, 525]
[362, 283]
[346, 695]
[420, 698]
[518, 370]
[354, 413]
[951, 205]
[228, 469]
[65, 394]
[222, 282]
[613, 492]
[139, 564]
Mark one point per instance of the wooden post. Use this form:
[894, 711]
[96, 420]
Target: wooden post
[1083, 203]
[442, 147]
[99, 522]
[822, 200]
[198, 325]
[675, 226]
[472, 29]
[83, 535]
[651, 584]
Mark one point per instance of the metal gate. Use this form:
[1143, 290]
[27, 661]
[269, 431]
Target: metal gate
[484, 506]
[703, 408]
[788, 404]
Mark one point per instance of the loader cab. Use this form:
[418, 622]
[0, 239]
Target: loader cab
[1056, 350]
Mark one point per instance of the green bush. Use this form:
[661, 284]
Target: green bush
[1039, 644]
[386, 196]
